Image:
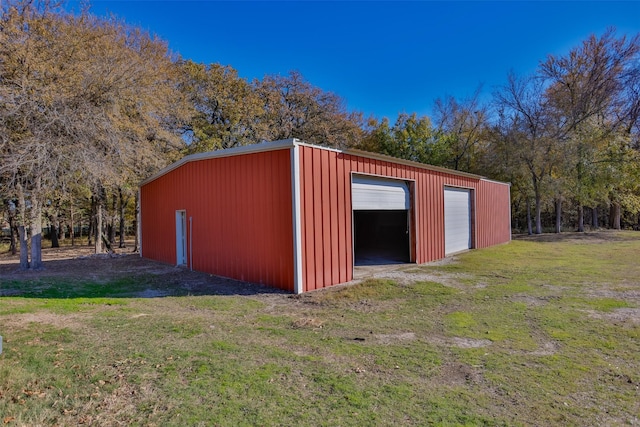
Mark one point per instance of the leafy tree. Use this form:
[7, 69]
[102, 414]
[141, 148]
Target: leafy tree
[411, 138]
[293, 108]
[590, 103]
[227, 108]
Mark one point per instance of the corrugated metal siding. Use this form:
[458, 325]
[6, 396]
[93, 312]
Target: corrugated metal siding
[493, 214]
[242, 216]
[327, 220]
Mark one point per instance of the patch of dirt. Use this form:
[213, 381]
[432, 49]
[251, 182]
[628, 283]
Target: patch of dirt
[459, 342]
[80, 263]
[60, 321]
[406, 275]
[367, 306]
[533, 301]
[456, 373]
[470, 342]
[548, 348]
[618, 315]
[626, 295]
[64, 252]
[139, 315]
[395, 338]
[307, 323]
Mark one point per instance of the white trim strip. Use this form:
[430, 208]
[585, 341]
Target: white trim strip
[496, 182]
[298, 283]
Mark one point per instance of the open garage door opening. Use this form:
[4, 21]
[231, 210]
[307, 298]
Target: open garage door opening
[381, 220]
[381, 237]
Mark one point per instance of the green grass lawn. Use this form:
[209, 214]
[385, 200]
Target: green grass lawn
[529, 333]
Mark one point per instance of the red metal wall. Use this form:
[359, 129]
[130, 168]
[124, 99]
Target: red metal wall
[493, 221]
[325, 187]
[241, 207]
[242, 216]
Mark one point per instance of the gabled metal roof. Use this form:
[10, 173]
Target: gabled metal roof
[292, 142]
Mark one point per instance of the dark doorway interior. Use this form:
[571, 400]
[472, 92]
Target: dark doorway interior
[381, 237]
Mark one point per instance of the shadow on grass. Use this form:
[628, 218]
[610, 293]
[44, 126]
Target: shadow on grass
[575, 236]
[119, 276]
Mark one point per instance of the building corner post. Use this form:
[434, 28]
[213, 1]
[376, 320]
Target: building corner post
[510, 219]
[298, 285]
[139, 220]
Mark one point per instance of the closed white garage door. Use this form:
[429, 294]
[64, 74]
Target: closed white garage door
[378, 194]
[457, 220]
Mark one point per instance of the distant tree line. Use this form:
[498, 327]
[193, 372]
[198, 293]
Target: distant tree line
[91, 106]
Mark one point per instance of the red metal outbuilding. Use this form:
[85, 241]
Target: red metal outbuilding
[299, 217]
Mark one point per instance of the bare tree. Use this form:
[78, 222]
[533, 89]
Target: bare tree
[532, 137]
[462, 124]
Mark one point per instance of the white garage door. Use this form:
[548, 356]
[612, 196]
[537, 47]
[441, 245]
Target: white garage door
[371, 193]
[457, 220]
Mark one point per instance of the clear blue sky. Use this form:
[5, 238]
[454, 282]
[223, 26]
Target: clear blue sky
[381, 57]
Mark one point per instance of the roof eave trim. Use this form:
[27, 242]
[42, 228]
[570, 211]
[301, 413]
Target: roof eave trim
[228, 152]
[386, 158]
[291, 142]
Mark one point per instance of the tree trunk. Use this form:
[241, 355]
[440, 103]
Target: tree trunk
[123, 205]
[53, 233]
[558, 215]
[21, 210]
[538, 213]
[12, 229]
[580, 218]
[112, 221]
[594, 217]
[61, 231]
[13, 242]
[136, 224]
[92, 221]
[614, 216]
[72, 233]
[24, 248]
[90, 229]
[98, 228]
[36, 234]
[529, 223]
